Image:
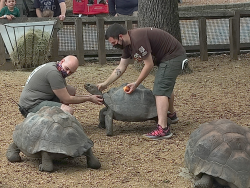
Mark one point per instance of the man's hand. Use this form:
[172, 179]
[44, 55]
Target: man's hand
[97, 99]
[132, 87]
[101, 86]
[10, 17]
[62, 17]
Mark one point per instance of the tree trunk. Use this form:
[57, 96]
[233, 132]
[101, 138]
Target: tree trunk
[162, 14]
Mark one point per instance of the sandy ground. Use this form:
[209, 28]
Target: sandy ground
[216, 89]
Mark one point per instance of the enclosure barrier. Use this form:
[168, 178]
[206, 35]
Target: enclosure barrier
[101, 48]
[28, 43]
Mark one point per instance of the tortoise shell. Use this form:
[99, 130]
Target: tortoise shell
[221, 149]
[51, 130]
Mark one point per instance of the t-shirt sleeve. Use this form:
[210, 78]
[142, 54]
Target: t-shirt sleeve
[36, 4]
[2, 11]
[55, 80]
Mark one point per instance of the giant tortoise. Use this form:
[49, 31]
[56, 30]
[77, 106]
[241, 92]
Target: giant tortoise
[218, 152]
[51, 134]
[135, 107]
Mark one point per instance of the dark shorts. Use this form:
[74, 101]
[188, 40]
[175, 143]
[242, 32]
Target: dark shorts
[166, 75]
[54, 102]
[45, 103]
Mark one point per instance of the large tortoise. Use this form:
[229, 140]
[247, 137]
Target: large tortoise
[219, 152]
[135, 107]
[51, 134]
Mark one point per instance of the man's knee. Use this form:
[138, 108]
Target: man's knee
[67, 108]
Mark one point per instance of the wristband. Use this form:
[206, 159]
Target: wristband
[5, 16]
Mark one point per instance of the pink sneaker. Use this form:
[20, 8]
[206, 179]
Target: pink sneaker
[159, 133]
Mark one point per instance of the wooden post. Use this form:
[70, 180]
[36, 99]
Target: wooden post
[128, 24]
[101, 41]
[79, 41]
[203, 39]
[55, 42]
[233, 38]
[2, 51]
[237, 30]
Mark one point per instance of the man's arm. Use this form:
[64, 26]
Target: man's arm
[148, 66]
[115, 74]
[63, 10]
[38, 13]
[65, 98]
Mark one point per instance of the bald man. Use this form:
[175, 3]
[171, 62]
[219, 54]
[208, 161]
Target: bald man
[46, 86]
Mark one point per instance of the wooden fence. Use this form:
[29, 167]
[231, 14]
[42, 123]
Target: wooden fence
[78, 22]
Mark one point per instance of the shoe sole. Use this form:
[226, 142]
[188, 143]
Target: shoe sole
[158, 138]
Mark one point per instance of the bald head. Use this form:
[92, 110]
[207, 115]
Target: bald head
[70, 64]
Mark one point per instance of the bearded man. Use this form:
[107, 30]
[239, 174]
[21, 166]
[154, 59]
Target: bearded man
[153, 47]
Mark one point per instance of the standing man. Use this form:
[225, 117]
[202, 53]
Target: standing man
[46, 86]
[57, 6]
[153, 47]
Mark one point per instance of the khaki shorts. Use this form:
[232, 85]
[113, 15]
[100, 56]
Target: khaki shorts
[166, 76]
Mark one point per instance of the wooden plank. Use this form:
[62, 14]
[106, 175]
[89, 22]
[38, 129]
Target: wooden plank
[203, 39]
[237, 31]
[55, 45]
[79, 41]
[2, 51]
[101, 41]
[128, 24]
[233, 39]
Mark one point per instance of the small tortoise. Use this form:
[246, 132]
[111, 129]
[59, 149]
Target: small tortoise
[135, 107]
[219, 153]
[51, 134]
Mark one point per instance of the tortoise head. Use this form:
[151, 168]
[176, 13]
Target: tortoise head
[92, 89]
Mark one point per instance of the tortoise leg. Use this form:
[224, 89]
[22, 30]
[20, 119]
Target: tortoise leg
[12, 153]
[102, 118]
[92, 161]
[47, 163]
[109, 122]
[206, 181]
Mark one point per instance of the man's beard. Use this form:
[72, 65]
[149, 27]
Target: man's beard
[119, 46]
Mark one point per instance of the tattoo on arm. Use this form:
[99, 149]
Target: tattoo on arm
[118, 71]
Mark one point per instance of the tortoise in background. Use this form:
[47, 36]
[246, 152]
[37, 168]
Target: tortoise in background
[51, 134]
[219, 151]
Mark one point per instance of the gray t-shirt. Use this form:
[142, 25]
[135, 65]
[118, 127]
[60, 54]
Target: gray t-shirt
[40, 85]
[159, 43]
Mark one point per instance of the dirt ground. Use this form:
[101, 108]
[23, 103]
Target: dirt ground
[217, 88]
